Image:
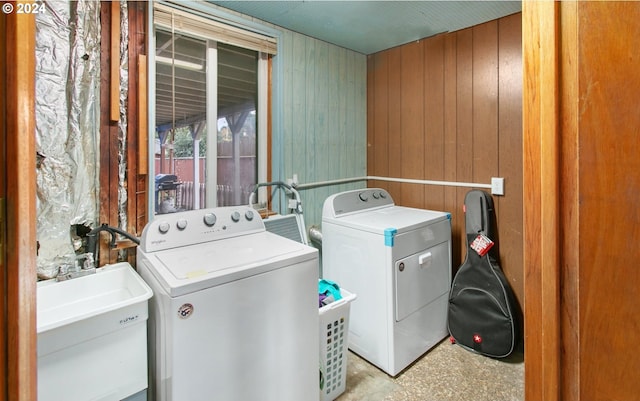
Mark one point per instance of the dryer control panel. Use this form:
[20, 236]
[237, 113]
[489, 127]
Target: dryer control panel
[197, 226]
[356, 201]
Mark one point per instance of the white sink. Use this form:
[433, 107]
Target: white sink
[95, 323]
[111, 287]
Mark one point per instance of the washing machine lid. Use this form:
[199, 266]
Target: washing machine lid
[191, 268]
[398, 218]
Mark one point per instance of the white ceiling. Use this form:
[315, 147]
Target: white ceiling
[371, 26]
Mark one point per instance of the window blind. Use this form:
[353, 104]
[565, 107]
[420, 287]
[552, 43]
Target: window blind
[167, 17]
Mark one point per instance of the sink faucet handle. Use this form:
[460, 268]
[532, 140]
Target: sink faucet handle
[89, 263]
[63, 268]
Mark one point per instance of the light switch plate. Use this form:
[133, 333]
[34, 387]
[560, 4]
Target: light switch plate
[497, 185]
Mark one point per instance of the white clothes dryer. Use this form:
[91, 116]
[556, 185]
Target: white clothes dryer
[398, 260]
[234, 315]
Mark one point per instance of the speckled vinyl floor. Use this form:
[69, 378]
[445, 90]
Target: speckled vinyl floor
[446, 373]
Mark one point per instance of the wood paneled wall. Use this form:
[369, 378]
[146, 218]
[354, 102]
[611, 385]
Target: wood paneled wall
[449, 108]
[324, 125]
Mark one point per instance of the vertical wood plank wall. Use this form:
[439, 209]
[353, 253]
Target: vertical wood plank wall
[324, 118]
[449, 107]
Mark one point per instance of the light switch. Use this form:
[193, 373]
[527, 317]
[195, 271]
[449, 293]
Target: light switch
[497, 185]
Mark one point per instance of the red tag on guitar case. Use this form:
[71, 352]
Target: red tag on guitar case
[481, 244]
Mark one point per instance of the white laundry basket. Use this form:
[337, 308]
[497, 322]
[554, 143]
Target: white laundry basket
[334, 329]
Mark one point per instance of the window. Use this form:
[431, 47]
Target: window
[210, 105]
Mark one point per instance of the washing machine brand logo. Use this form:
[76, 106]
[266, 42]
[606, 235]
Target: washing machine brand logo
[159, 241]
[185, 311]
[129, 319]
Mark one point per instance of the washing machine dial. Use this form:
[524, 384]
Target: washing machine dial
[181, 224]
[383, 195]
[235, 216]
[363, 196]
[209, 219]
[248, 215]
[376, 195]
[163, 227]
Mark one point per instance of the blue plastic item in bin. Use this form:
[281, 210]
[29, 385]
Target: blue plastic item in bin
[328, 287]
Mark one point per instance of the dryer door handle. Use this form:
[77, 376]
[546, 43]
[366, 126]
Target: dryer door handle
[424, 260]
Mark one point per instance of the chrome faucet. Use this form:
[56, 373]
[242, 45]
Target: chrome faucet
[68, 271]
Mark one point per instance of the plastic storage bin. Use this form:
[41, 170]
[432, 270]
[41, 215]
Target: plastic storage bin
[334, 329]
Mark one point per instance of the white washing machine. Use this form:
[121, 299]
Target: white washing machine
[398, 260]
[234, 315]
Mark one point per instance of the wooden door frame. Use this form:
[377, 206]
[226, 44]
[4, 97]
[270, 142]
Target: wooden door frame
[18, 278]
[541, 199]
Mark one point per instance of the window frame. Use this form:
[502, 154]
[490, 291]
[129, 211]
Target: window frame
[269, 95]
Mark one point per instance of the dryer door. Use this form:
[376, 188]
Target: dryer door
[421, 278]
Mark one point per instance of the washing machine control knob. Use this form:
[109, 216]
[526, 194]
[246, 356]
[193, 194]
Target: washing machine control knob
[363, 196]
[181, 224]
[248, 215]
[235, 216]
[376, 195]
[163, 227]
[209, 219]
[383, 195]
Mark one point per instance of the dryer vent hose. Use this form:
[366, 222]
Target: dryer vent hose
[315, 234]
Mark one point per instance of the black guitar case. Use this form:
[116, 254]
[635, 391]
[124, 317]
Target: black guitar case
[482, 315]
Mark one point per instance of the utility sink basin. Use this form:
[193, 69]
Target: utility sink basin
[92, 335]
[112, 287]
